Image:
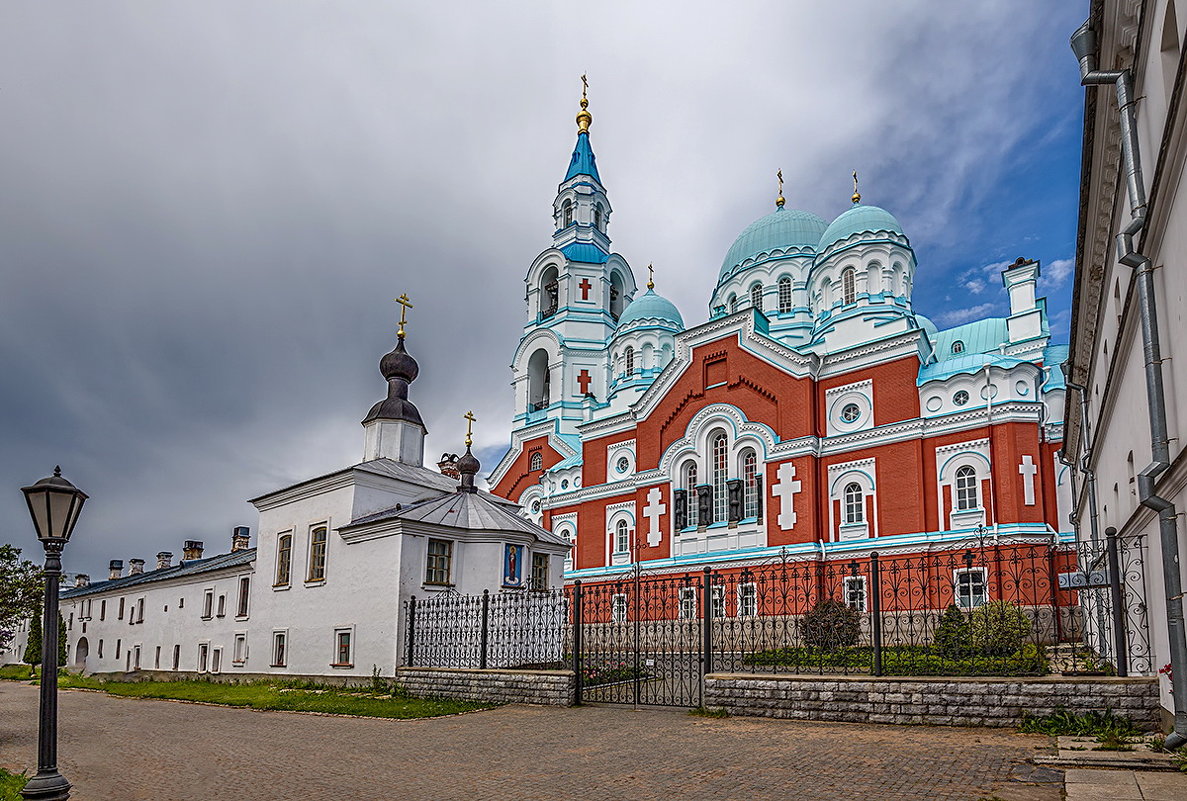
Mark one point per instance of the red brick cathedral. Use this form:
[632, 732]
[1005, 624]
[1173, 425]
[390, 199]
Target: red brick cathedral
[814, 414]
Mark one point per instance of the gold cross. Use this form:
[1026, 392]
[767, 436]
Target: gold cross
[470, 420]
[405, 305]
[650, 277]
[856, 195]
[779, 201]
[584, 86]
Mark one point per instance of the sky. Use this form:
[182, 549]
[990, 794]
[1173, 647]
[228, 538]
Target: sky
[206, 209]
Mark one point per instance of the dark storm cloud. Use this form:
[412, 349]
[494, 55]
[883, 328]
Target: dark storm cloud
[206, 208]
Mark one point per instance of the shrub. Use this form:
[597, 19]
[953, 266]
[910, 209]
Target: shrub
[831, 625]
[997, 628]
[953, 638]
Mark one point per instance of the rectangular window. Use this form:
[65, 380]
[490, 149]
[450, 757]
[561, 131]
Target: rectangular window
[240, 654]
[318, 538]
[140, 610]
[208, 604]
[539, 571]
[284, 560]
[103, 609]
[279, 648]
[156, 664]
[855, 592]
[203, 657]
[100, 649]
[117, 649]
[120, 616]
[244, 594]
[136, 659]
[216, 660]
[438, 564]
[717, 596]
[181, 603]
[688, 603]
[747, 600]
[970, 587]
[342, 648]
[618, 611]
[176, 657]
[70, 625]
[222, 606]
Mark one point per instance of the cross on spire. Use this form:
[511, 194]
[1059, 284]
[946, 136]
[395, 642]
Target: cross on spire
[650, 277]
[779, 201]
[470, 420]
[405, 305]
[856, 195]
[584, 85]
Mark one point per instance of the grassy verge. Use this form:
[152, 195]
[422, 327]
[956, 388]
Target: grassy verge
[10, 785]
[905, 660]
[295, 696]
[15, 673]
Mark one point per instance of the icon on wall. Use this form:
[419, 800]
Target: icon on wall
[513, 566]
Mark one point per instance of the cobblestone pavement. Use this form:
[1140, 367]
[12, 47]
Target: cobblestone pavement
[122, 748]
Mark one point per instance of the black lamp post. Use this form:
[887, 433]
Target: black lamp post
[54, 504]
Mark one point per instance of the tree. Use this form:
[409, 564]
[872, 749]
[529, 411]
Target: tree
[33, 648]
[20, 591]
[61, 641]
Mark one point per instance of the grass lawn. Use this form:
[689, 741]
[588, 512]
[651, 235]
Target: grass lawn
[15, 673]
[10, 785]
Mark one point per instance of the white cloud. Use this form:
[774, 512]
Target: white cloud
[958, 316]
[1056, 273]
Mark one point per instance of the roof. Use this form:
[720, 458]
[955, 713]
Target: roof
[981, 336]
[585, 252]
[971, 363]
[650, 306]
[583, 161]
[859, 220]
[1054, 357]
[190, 568]
[462, 510]
[782, 229]
[389, 468]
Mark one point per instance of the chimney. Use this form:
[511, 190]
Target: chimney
[135, 567]
[116, 566]
[82, 580]
[448, 466]
[240, 539]
[191, 549]
[164, 560]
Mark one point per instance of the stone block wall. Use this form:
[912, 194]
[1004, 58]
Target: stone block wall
[937, 700]
[551, 687]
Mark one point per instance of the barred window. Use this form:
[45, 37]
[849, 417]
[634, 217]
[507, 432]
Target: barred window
[284, 560]
[717, 596]
[688, 603]
[539, 571]
[536, 462]
[756, 296]
[855, 503]
[855, 592]
[628, 357]
[966, 488]
[784, 295]
[618, 608]
[849, 285]
[749, 483]
[440, 555]
[747, 600]
[317, 553]
[719, 450]
[690, 484]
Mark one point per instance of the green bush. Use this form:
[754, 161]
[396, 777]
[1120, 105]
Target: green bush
[953, 639]
[998, 628]
[10, 785]
[831, 625]
[1106, 724]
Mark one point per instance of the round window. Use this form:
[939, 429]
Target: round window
[623, 464]
[565, 484]
[850, 413]
[960, 398]
[535, 507]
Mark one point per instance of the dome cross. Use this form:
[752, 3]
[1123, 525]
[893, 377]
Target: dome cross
[470, 420]
[856, 195]
[405, 305]
[779, 201]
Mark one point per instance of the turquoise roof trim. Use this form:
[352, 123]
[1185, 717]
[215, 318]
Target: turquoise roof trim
[650, 306]
[782, 229]
[585, 252]
[859, 220]
[972, 363]
[982, 336]
[583, 161]
[1053, 358]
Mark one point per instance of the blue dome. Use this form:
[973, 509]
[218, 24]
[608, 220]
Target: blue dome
[859, 220]
[650, 306]
[782, 229]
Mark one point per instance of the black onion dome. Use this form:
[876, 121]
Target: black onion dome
[468, 466]
[398, 364]
[400, 370]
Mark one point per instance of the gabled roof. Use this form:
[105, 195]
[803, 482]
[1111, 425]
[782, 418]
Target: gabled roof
[388, 468]
[190, 568]
[468, 511]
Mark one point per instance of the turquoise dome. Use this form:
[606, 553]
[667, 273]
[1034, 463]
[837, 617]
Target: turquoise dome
[859, 220]
[782, 229]
[650, 306]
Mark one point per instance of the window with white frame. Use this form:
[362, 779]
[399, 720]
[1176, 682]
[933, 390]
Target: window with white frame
[279, 648]
[536, 462]
[207, 604]
[854, 501]
[342, 652]
[618, 609]
[203, 657]
[749, 464]
[970, 587]
[622, 537]
[216, 660]
[244, 595]
[222, 606]
[103, 609]
[958, 347]
[717, 596]
[318, 540]
[747, 600]
[140, 610]
[539, 571]
[628, 358]
[855, 592]
[849, 285]
[784, 295]
[284, 560]
[719, 453]
[966, 489]
[688, 603]
[690, 484]
[756, 296]
[239, 655]
[438, 563]
[120, 616]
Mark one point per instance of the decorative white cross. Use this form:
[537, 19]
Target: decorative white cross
[652, 511]
[785, 491]
[1027, 470]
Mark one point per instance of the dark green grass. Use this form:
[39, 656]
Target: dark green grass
[10, 785]
[905, 660]
[15, 673]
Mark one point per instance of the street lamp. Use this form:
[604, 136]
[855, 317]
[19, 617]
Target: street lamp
[54, 504]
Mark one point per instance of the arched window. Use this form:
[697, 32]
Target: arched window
[958, 347]
[855, 503]
[284, 560]
[628, 358]
[536, 462]
[598, 216]
[539, 381]
[785, 295]
[622, 538]
[732, 304]
[616, 295]
[749, 471]
[966, 488]
[849, 286]
[756, 296]
[549, 292]
[719, 454]
[317, 553]
[567, 213]
[690, 484]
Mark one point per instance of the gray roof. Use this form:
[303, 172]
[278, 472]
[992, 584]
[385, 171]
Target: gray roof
[464, 510]
[190, 568]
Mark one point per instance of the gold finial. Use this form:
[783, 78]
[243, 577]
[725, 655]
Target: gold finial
[405, 305]
[779, 201]
[650, 277]
[584, 118]
[856, 195]
[470, 420]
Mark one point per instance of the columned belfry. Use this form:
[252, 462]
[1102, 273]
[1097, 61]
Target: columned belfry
[393, 427]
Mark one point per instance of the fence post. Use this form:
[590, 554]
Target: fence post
[411, 629]
[876, 611]
[1120, 640]
[577, 642]
[707, 625]
[485, 633]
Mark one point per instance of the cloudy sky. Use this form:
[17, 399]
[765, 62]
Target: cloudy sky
[206, 208]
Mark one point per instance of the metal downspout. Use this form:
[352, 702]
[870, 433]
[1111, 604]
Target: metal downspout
[1086, 459]
[1084, 46]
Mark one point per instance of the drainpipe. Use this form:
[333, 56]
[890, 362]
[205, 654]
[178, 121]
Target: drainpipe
[1084, 46]
[1086, 459]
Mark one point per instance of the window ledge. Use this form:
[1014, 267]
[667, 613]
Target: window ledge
[277, 666]
[279, 587]
[341, 665]
[315, 582]
[207, 617]
[241, 617]
[220, 617]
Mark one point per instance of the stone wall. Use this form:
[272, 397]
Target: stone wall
[937, 700]
[552, 687]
